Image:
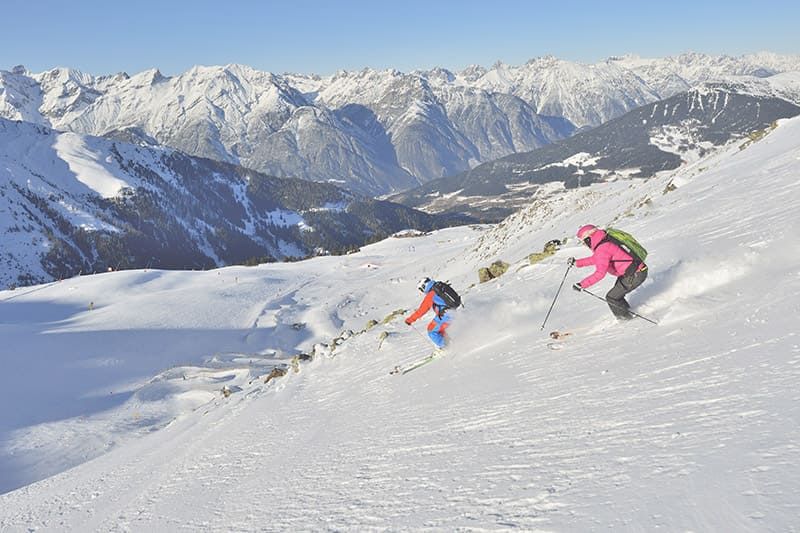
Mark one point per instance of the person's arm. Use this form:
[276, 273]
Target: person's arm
[601, 260]
[423, 308]
[584, 262]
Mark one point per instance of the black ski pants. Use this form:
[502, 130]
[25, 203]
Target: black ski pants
[625, 284]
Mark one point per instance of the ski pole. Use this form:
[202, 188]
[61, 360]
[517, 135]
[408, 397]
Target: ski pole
[620, 307]
[418, 332]
[556, 298]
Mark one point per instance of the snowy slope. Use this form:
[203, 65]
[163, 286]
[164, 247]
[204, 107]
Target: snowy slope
[689, 425]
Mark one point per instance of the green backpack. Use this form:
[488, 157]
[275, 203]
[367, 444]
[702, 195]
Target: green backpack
[626, 241]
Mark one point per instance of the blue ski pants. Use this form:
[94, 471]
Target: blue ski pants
[436, 329]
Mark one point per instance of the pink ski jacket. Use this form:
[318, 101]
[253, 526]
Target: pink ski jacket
[607, 258]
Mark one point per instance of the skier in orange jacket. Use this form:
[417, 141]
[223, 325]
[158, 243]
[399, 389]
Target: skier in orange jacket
[438, 326]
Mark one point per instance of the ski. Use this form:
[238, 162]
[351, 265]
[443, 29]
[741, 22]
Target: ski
[416, 364]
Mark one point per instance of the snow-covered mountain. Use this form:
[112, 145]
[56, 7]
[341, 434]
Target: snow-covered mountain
[233, 114]
[587, 95]
[655, 137]
[71, 203]
[260, 120]
[687, 425]
[373, 131]
[670, 75]
[439, 127]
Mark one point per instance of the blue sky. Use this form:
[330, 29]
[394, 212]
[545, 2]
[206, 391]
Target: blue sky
[315, 36]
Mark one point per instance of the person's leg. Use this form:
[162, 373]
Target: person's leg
[434, 334]
[436, 330]
[638, 279]
[616, 299]
[445, 322]
[616, 296]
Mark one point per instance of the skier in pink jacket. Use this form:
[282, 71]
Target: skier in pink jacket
[609, 257]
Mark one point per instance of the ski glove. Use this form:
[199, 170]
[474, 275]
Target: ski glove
[577, 287]
[408, 322]
[571, 261]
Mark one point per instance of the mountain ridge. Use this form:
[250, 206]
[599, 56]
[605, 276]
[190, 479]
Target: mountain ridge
[376, 131]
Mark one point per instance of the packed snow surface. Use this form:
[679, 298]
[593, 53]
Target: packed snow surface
[112, 383]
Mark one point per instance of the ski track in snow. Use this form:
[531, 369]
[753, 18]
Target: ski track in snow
[689, 425]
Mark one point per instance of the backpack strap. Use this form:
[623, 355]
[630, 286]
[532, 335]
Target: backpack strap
[634, 260]
[437, 308]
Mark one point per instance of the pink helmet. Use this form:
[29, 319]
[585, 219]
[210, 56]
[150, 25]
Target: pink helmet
[586, 230]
